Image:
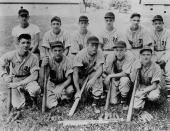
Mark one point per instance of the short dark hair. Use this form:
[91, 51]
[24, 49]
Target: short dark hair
[135, 15]
[24, 36]
[56, 18]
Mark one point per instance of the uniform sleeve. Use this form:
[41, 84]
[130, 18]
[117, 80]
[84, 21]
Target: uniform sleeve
[4, 64]
[67, 38]
[168, 41]
[157, 74]
[78, 60]
[45, 42]
[36, 29]
[74, 45]
[14, 32]
[133, 70]
[69, 68]
[146, 38]
[108, 65]
[100, 59]
[35, 65]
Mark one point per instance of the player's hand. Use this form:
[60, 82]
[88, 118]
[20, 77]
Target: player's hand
[90, 83]
[58, 91]
[45, 61]
[77, 95]
[107, 80]
[7, 78]
[13, 85]
[140, 93]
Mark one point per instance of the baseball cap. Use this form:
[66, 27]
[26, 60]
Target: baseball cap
[109, 15]
[120, 44]
[56, 18]
[23, 11]
[157, 17]
[93, 39]
[145, 48]
[83, 18]
[135, 15]
[56, 44]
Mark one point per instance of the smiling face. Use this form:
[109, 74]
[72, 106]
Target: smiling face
[158, 25]
[24, 45]
[120, 53]
[56, 26]
[58, 53]
[135, 21]
[23, 19]
[146, 57]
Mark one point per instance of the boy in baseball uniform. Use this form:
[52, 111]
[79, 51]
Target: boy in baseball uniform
[116, 71]
[25, 27]
[89, 63]
[23, 67]
[149, 78]
[59, 71]
[80, 37]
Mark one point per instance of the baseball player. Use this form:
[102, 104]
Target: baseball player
[25, 27]
[23, 67]
[136, 35]
[116, 70]
[60, 71]
[110, 35]
[80, 38]
[55, 34]
[89, 63]
[149, 79]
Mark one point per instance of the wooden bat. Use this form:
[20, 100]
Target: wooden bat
[75, 104]
[130, 110]
[108, 98]
[10, 93]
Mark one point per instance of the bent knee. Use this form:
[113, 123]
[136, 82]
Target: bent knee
[69, 89]
[33, 88]
[154, 95]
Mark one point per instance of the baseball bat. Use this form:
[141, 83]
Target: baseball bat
[108, 98]
[75, 104]
[10, 92]
[130, 110]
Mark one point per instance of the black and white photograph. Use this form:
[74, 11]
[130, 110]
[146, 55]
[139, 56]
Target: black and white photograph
[84, 65]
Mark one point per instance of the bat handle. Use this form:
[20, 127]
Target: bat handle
[9, 100]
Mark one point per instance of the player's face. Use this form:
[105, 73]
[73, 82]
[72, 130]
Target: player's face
[158, 25]
[55, 26]
[24, 45]
[120, 53]
[92, 48]
[23, 19]
[58, 53]
[109, 22]
[83, 25]
[146, 57]
[135, 21]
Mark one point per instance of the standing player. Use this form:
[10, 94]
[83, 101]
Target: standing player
[116, 70]
[55, 34]
[27, 28]
[136, 35]
[89, 63]
[149, 81]
[60, 71]
[23, 67]
[80, 38]
[110, 35]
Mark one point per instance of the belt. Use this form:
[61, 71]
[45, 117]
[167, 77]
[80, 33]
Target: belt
[20, 76]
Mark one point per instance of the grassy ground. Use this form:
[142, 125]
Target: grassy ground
[34, 120]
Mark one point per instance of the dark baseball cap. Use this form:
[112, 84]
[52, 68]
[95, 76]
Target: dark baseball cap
[93, 39]
[83, 18]
[157, 17]
[145, 48]
[56, 44]
[109, 15]
[56, 18]
[23, 11]
[120, 44]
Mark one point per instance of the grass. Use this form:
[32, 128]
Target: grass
[34, 120]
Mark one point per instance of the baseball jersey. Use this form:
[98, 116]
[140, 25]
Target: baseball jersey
[137, 39]
[19, 68]
[79, 42]
[86, 63]
[31, 29]
[112, 65]
[161, 41]
[51, 37]
[108, 38]
[149, 74]
[59, 71]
